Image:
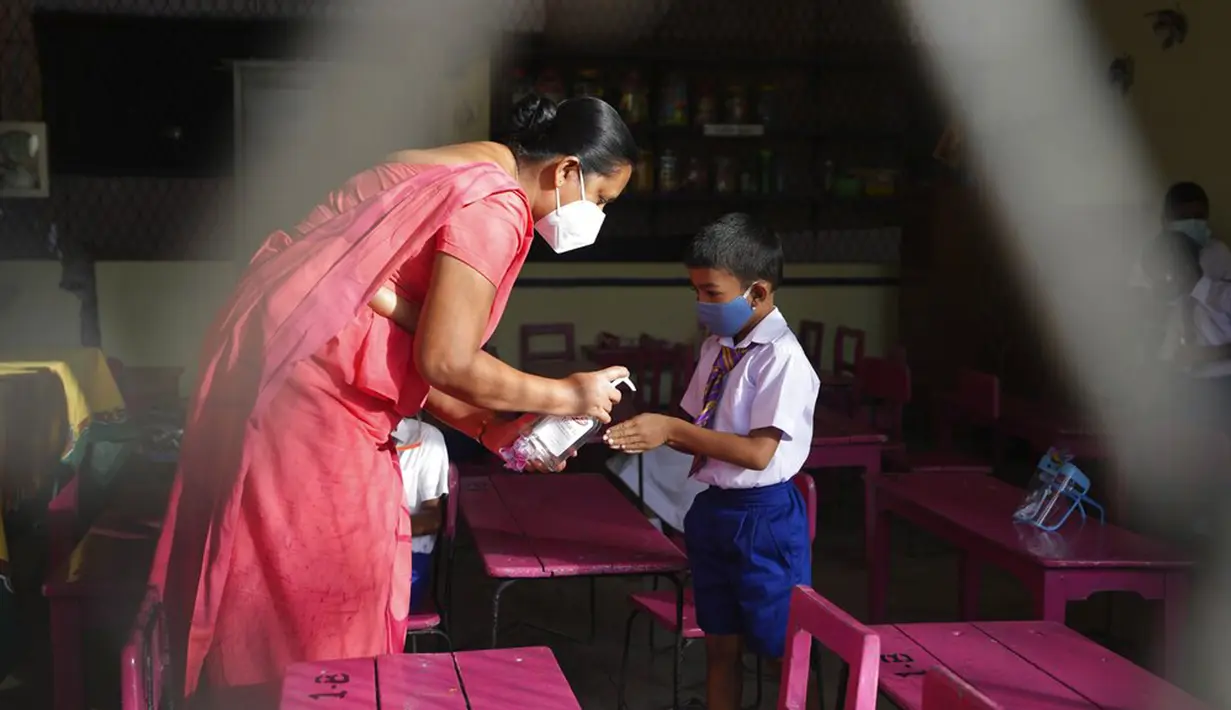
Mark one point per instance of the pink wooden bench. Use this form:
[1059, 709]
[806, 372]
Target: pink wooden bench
[468, 680]
[561, 525]
[974, 513]
[1026, 665]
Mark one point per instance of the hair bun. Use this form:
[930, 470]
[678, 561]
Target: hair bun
[533, 114]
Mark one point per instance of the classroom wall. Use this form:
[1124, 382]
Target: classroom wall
[154, 313]
[1177, 97]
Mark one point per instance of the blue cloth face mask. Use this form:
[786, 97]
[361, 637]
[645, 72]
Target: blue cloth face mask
[725, 319]
[1197, 230]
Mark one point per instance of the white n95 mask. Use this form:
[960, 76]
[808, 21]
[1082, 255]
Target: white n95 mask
[571, 226]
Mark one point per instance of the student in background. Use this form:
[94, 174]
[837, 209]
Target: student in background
[424, 461]
[751, 400]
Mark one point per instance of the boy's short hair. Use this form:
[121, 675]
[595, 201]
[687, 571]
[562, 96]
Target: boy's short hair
[1183, 193]
[741, 245]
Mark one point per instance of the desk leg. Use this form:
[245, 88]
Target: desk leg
[971, 572]
[1175, 619]
[66, 632]
[871, 474]
[878, 567]
[496, 608]
[1050, 601]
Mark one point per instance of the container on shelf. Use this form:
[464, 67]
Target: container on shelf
[668, 172]
[724, 175]
[737, 103]
[643, 174]
[707, 104]
[589, 83]
[550, 85]
[634, 100]
[697, 177]
[674, 108]
[769, 182]
[747, 182]
[765, 105]
[847, 186]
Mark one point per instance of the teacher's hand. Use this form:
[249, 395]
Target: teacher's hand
[594, 392]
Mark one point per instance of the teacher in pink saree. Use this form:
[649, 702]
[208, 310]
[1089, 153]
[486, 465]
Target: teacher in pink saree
[287, 538]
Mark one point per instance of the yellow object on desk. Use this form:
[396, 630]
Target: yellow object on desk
[90, 390]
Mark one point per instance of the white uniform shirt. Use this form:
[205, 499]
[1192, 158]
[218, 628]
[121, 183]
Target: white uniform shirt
[424, 461]
[773, 385]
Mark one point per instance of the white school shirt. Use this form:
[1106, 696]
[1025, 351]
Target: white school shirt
[773, 385]
[424, 461]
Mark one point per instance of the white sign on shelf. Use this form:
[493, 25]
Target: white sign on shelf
[733, 130]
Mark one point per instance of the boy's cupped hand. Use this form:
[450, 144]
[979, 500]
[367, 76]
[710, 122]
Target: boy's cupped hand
[639, 434]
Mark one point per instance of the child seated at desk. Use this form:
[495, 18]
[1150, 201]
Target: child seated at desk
[424, 461]
[751, 399]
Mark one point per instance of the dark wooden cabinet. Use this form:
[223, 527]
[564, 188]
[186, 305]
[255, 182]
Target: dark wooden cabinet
[963, 302]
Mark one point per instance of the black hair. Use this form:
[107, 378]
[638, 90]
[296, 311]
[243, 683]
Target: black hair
[1183, 193]
[586, 127]
[741, 245]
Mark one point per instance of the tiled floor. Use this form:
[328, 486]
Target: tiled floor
[923, 588]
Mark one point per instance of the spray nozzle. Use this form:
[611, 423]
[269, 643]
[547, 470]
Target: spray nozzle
[625, 381]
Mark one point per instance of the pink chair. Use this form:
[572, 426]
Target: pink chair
[812, 338]
[144, 659]
[944, 691]
[663, 611]
[562, 331]
[815, 617]
[428, 621]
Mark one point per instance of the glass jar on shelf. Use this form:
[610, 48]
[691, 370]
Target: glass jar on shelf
[668, 172]
[724, 175]
[589, 83]
[674, 108]
[696, 179]
[644, 173]
[765, 105]
[634, 102]
[737, 103]
[707, 104]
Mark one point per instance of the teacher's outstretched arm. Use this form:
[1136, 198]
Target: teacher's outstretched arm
[449, 355]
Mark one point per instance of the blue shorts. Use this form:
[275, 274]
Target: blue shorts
[747, 549]
[420, 580]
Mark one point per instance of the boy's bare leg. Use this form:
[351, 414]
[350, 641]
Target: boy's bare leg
[724, 672]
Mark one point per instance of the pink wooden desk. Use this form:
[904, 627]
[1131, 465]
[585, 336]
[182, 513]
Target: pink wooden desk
[1020, 665]
[535, 526]
[470, 680]
[974, 512]
[839, 441]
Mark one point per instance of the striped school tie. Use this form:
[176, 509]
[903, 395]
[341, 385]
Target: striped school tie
[726, 361]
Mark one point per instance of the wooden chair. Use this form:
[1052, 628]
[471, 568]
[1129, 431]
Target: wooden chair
[857, 338]
[428, 621]
[815, 617]
[563, 331]
[145, 658]
[944, 691]
[660, 606]
[812, 338]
